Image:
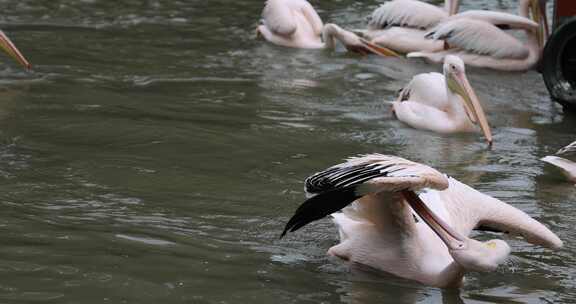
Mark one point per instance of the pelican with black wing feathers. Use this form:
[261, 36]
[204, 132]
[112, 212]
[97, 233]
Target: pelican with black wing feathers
[386, 225]
[442, 103]
[295, 23]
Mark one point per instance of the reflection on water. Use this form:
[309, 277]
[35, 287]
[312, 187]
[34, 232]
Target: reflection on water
[156, 150]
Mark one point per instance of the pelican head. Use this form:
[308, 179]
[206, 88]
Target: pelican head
[481, 256]
[470, 254]
[457, 83]
[10, 49]
[352, 42]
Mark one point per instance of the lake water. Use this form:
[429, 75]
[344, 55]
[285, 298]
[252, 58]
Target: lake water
[156, 150]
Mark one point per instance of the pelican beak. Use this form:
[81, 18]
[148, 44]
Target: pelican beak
[459, 84]
[450, 237]
[453, 7]
[378, 50]
[538, 9]
[257, 33]
[10, 49]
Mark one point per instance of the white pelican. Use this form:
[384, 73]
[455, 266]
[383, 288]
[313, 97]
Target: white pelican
[386, 225]
[442, 103]
[10, 49]
[401, 25]
[479, 39]
[567, 167]
[295, 23]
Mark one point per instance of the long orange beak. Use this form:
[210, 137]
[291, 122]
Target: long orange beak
[461, 86]
[382, 51]
[12, 51]
[450, 237]
[538, 10]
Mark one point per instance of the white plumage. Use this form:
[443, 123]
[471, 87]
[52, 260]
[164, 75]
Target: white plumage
[292, 23]
[442, 103]
[385, 225]
[566, 166]
[507, 20]
[406, 13]
[400, 25]
[476, 37]
[464, 34]
[427, 88]
[295, 23]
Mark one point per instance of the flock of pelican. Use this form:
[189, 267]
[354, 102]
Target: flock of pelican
[418, 29]
[396, 215]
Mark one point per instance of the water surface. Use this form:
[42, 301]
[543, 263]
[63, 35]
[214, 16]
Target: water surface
[157, 149]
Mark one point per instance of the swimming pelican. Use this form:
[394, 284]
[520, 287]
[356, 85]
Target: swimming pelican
[386, 225]
[12, 51]
[295, 23]
[401, 25]
[478, 38]
[567, 167]
[442, 103]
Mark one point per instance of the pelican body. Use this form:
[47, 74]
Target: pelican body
[567, 167]
[295, 23]
[386, 225]
[442, 103]
[479, 38]
[401, 25]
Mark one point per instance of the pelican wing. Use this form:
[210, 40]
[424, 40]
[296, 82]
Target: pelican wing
[472, 209]
[499, 19]
[279, 17]
[428, 89]
[406, 13]
[340, 185]
[569, 149]
[567, 167]
[312, 16]
[478, 37]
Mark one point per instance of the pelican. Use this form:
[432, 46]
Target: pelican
[401, 25]
[295, 23]
[479, 39]
[442, 103]
[567, 167]
[9, 48]
[386, 225]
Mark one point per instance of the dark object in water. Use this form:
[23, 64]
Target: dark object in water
[559, 58]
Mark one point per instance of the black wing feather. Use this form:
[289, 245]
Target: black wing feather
[342, 177]
[320, 206]
[335, 188]
[490, 229]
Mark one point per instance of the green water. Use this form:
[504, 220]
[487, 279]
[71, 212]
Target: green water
[156, 150]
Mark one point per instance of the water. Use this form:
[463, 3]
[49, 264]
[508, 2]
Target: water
[156, 151]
